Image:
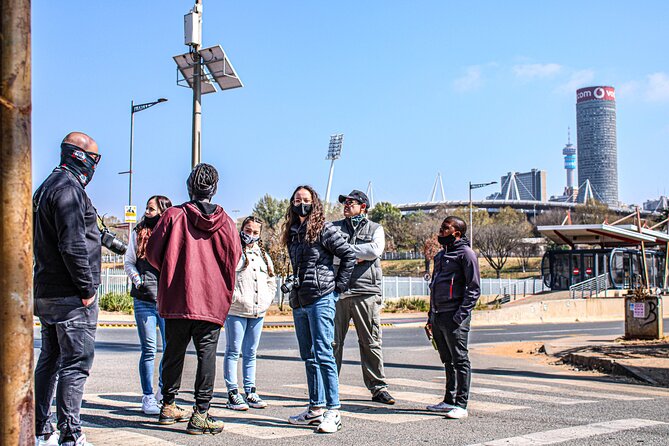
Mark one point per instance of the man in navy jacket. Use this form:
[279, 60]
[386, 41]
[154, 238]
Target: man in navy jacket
[454, 291]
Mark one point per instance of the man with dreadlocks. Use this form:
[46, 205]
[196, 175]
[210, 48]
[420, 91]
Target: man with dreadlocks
[196, 248]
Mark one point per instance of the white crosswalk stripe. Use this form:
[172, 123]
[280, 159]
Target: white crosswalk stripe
[272, 423]
[556, 436]
[493, 392]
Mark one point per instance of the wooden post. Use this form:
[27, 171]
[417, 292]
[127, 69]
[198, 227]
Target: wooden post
[16, 250]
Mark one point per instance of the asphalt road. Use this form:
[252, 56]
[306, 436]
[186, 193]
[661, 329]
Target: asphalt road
[511, 397]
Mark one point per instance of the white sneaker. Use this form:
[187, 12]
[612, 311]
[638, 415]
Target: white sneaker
[331, 422]
[51, 440]
[150, 405]
[309, 416]
[456, 413]
[81, 441]
[235, 401]
[441, 407]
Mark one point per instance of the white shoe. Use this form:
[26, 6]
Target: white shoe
[52, 440]
[236, 402]
[81, 441]
[331, 422]
[309, 416]
[441, 407]
[150, 405]
[456, 413]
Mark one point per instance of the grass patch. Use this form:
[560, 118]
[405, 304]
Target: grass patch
[407, 304]
[416, 268]
[120, 302]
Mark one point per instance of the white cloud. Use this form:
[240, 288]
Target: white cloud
[657, 89]
[578, 79]
[471, 80]
[536, 70]
[627, 89]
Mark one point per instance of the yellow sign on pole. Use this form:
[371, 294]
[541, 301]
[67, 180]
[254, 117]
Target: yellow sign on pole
[131, 214]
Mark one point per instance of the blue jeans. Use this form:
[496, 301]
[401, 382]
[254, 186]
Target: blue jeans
[242, 334]
[314, 327]
[148, 319]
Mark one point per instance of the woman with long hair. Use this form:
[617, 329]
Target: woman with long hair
[144, 291]
[313, 244]
[255, 287]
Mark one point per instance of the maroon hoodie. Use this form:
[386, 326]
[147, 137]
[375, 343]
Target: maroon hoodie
[197, 255]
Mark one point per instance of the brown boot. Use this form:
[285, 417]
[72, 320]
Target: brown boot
[171, 413]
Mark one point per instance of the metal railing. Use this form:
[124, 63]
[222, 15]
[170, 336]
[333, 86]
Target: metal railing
[589, 287]
[114, 280]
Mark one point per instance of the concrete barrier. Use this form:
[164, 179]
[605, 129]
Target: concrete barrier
[566, 310]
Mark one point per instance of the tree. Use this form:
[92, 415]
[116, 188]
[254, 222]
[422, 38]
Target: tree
[383, 212]
[592, 213]
[270, 210]
[525, 251]
[496, 242]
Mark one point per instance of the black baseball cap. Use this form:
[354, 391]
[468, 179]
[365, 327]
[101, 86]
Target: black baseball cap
[357, 196]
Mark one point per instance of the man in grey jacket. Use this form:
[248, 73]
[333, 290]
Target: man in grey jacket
[362, 302]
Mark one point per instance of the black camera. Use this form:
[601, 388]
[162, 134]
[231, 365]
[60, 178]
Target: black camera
[111, 242]
[291, 283]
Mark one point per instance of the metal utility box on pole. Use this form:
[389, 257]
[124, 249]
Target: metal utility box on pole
[16, 250]
[334, 153]
[199, 69]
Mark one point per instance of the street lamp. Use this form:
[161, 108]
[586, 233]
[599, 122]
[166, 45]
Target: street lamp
[471, 225]
[134, 109]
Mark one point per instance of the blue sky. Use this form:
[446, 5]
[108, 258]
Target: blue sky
[469, 89]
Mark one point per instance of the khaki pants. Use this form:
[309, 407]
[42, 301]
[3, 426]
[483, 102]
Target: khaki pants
[366, 314]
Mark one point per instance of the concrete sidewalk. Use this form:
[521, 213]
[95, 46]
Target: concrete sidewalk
[647, 361]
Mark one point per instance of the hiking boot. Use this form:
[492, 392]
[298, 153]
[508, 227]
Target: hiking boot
[171, 413]
[235, 401]
[150, 405]
[313, 415]
[441, 407]
[47, 439]
[331, 422]
[254, 400]
[456, 413]
[202, 423]
[382, 396]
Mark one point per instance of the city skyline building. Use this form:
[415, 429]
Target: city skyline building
[522, 186]
[569, 153]
[596, 141]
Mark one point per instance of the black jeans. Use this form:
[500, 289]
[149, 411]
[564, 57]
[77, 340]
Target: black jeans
[66, 357]
[178, 333]
[451, 340]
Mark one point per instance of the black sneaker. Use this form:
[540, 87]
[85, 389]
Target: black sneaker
[382, 396]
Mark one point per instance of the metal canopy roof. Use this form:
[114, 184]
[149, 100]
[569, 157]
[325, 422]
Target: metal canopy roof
[601, 234]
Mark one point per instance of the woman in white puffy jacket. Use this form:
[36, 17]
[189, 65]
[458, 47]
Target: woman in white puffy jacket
[255, 288]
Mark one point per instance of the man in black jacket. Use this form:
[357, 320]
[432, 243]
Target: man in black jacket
[66, 242]
[454, 290]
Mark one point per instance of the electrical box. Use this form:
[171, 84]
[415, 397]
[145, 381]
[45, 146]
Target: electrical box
[193, 27]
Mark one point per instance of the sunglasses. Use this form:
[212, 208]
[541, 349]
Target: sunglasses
[96, 157]
[351, 203]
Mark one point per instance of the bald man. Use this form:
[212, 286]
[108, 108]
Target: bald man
[66, 241]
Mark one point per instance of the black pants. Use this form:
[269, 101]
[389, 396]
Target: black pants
[178, 333]
[452, 340]
[66, 357]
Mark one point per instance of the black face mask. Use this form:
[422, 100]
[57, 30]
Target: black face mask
[78, 162]
[151, 222]
[248, 239]
[302, 209]
[446, 240]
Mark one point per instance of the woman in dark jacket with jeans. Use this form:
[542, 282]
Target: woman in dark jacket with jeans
[312, 245]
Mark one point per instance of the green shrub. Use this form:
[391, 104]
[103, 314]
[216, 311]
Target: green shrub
[408, 304]
[121, 302]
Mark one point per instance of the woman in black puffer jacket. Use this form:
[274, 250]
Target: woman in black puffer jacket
[312, 244]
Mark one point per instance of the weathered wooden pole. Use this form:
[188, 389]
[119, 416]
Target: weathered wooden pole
[16, 251]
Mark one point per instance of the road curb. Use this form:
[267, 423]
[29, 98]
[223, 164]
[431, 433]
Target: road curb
[278, 326]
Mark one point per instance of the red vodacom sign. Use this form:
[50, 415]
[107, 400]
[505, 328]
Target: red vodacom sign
[595, 93]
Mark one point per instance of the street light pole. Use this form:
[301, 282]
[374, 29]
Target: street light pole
[134, 109]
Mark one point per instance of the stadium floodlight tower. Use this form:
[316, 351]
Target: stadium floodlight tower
[199, 69]
[334, 153]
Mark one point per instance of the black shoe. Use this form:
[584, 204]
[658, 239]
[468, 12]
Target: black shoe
[202, 423]
[382, 396]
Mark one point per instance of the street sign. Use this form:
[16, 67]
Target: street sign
[131, 214]
[576, 271]
[588, 271]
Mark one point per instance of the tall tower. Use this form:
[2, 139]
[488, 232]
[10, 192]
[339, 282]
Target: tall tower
[597, 146]
[569, 153]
